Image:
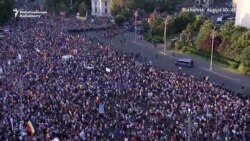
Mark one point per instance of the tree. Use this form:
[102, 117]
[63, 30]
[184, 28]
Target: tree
[179, 23]
[245, 57]
[227, 30]
[77, 6]
[206, 44]
[196, 24]
[240, 45]
[6, 10]
[157, 26]
[227, 47]
[83, 9]
[119, 19]
[116, 6]
[204, 33]
[61, 6]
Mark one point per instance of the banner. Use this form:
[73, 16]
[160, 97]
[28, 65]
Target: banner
[101, 109]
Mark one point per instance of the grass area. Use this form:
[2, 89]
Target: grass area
[217, 60]
[198, 57]
[232, 70]
[81, 18]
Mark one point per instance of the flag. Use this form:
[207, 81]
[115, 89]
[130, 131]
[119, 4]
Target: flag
[30, 128]
[1, 70]
[11, 123]
[37, 50]
[19, 56]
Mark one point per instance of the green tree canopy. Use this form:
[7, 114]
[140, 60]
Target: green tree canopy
[157, 26]
[6, 10]
[205, 32]
[227, 30]
[81, 6]
[179, 23]
[243, 42]
[245, 56]
[196, 24]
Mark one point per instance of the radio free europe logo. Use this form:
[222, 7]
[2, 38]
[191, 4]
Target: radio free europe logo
[28, 14]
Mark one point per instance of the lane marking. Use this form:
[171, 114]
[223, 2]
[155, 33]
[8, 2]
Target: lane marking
[219, 74]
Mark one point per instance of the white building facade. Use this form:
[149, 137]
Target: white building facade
[100, 8]
[243, 13]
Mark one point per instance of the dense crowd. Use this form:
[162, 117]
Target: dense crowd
[67, 77]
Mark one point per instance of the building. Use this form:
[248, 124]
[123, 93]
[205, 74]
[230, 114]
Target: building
[235, 3]
[100, 8]
[243, 13]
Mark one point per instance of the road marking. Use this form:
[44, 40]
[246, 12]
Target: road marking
[167, 55]
[219, 74]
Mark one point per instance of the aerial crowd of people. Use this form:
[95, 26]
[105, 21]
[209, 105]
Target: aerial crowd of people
[77, 89]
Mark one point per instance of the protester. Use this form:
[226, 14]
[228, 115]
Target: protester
[75, 88]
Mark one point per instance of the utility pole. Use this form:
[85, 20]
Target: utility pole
[212, 49]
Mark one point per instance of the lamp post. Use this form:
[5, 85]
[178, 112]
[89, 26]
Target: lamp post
[212, 49]
[20, 89]
[70, 4]
[136, 14]
[165, 34]
[189, 124]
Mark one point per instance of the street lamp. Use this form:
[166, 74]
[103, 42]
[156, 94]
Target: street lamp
[165, 34]
[189, 124]
[212, 50]
[136, 14]
[20, 89]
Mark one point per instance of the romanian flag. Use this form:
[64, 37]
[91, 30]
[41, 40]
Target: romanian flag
[30, 129]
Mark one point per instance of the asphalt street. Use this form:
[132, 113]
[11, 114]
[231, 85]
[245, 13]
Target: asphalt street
[201, 68]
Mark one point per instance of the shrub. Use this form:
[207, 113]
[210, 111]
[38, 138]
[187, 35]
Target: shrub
[119, 19]
[178, 45]
[156, 39]
[233, 65]
[172, 45]
[242, 69]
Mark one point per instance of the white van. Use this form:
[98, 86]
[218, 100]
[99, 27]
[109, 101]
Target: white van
[185, 63]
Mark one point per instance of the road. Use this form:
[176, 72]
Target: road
[231, 80]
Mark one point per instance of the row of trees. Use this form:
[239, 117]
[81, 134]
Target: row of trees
[81, 6]
[185, 24]
[147, 5]
[123, 10]
[231, 44]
